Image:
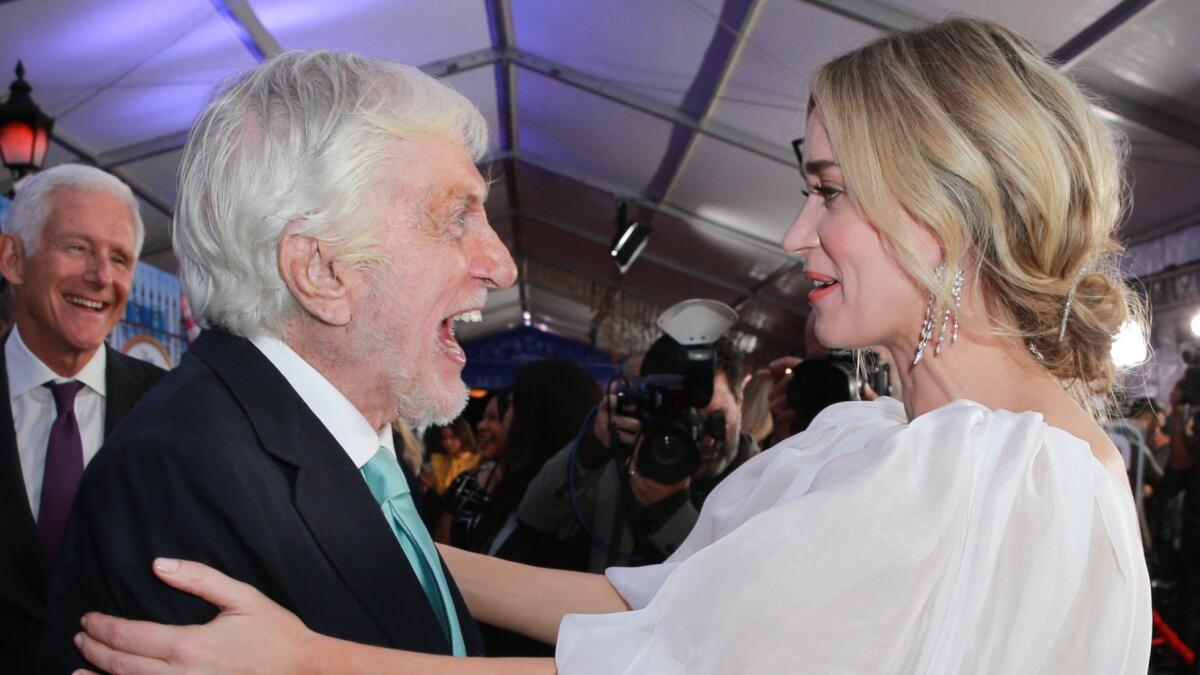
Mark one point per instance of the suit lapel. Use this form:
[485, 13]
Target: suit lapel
[118, 397]
[330, 493]
[16, 518]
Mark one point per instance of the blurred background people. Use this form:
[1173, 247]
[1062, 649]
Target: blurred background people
[409, 448]
[756, 408]
[469, 494]
[547, 404]
[458, 453]
[1181, 477]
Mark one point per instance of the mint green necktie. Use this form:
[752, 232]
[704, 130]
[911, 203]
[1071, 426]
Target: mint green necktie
[390, 489]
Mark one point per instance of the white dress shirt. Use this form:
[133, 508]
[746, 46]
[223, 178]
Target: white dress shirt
[34, 411]
[345, 422]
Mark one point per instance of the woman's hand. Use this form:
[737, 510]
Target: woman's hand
[252, 634]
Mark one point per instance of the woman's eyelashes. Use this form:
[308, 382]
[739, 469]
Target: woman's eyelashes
[825, 192]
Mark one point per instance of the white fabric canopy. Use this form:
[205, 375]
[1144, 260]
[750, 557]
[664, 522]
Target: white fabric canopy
[685, 109]
[968, 540]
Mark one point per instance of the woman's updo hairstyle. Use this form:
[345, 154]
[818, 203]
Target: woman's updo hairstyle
[1002, 157]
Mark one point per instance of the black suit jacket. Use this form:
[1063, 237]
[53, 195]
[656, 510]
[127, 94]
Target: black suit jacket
[23, 576]
[224, 463]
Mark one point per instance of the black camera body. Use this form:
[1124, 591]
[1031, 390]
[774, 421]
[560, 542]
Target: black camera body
[676, 382]
[820, 381]
[667, 405]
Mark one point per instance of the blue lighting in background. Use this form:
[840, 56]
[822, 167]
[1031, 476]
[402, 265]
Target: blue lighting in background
[243, 33]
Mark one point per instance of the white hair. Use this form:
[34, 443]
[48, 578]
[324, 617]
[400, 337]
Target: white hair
[35, 200]
[299, 139]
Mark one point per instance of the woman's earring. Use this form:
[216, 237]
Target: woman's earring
[949, 316]
[927, 325]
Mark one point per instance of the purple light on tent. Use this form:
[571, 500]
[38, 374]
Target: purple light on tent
[240, 29]
[430, 30]
[281, 17]
[113, 27]
[157, 110]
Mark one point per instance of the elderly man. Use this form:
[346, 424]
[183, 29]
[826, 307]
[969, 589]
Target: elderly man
[69, 248]
[330, 231]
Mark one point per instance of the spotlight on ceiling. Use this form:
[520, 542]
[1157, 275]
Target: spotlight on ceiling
[1196, 324]
[628, 242]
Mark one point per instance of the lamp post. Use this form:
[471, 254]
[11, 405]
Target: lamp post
[24, 129]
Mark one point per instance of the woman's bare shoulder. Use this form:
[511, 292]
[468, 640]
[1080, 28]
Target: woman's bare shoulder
[1077, 422]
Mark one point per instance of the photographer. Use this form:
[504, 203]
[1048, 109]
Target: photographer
[802, 387]
[1181, 475]
[639, 520]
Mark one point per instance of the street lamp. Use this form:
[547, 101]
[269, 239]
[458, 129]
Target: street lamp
[24, 129]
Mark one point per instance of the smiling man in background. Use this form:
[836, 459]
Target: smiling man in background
[330, 229]
[68, 251]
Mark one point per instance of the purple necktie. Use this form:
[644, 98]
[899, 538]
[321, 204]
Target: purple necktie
[64, 467]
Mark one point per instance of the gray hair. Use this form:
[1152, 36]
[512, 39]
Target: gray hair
[35, 199]
[299, 139]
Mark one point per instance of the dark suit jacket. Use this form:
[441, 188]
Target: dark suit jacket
[224, 463]
[23, 576]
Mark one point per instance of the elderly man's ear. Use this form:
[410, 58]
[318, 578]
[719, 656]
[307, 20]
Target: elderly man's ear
[321, 286]
[12, 259]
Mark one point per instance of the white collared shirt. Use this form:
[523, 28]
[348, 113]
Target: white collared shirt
[345, 422]
[34, 411]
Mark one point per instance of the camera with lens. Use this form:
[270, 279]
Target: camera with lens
[676, 382]
[820, 381]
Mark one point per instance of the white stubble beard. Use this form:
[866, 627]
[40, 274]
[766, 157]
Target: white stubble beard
[418, 406]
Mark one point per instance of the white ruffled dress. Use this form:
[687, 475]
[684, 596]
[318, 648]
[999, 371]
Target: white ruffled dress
[965, 541]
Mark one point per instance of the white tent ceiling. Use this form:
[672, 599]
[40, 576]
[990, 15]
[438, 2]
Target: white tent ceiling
[685, 108]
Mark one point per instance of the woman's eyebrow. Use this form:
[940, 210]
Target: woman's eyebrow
[816, 166]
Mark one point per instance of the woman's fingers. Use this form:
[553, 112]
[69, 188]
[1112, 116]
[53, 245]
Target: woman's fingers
[143, 638]
[251, 629]
[205, 582]
[112, 661]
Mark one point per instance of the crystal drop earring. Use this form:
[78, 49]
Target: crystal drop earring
[949, 315]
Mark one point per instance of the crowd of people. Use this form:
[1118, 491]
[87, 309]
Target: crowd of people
[960, 204]
[1159, 444]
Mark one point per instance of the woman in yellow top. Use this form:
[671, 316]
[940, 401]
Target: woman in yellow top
[458, 454]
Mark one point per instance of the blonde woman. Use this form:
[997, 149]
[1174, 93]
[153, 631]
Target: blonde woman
[961, 202]
[413, 450]
[756, 408]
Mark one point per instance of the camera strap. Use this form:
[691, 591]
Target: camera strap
[627, 512]
[613, 551]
